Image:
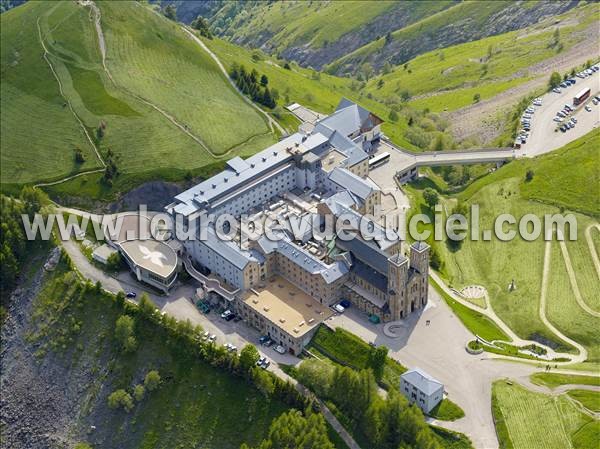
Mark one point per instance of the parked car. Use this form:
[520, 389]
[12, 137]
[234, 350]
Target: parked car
[280, 349]
[563, 128]
[205, 336]
[265, 364]
[212, 337]
[268, 343]
[573, 119]
[339, 308]
[260, 361]
[262, 340]
[588, 108]
[345, 303]
[557, 119]
[595, 102]
[131, 294]
[573, 80]
[228, 315]
[563, 85]
[556, 90]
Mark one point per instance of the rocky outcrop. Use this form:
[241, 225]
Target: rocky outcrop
[466, 28]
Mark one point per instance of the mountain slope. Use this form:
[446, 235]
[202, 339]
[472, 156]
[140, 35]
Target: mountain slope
[316, 33]
[464, 22]
[343, 35]
[164, 106]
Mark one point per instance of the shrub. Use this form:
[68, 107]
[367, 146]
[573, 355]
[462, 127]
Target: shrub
[138, 392]
[120, 398]
[152, 380]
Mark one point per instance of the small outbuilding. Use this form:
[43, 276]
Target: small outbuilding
[421, 389]
[102, 253]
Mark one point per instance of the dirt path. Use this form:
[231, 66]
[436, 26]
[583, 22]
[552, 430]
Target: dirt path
[592, 247]
[515, 339]
[542, 309]
[272, 123]
[481, 119]
[60, 88]
[573, 281]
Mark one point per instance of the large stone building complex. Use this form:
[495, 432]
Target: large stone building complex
[283, 281]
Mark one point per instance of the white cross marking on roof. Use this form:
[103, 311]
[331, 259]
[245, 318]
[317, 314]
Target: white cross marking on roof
[154, 256]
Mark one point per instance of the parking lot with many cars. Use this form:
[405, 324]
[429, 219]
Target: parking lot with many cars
[558, 117]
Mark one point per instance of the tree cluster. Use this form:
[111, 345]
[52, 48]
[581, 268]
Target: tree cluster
[252, 85]
[14, 245]
[296, 430]
[170, 13]
[111, 171]
[187, 338]
[123, 399]
[389, 423]
[79, 157]
[201, 24]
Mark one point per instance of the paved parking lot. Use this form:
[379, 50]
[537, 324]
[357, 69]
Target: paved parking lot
[439, 349]
[543, 137]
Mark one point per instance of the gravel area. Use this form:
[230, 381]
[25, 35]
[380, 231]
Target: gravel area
[484, 119]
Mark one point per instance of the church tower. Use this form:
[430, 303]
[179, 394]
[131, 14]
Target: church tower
[397, 279]
[419, 262]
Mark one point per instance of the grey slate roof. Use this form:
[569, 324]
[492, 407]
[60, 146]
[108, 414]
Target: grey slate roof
[365, 252]
[419, 246]
[351, 182]
[353, 153]
[238, 173]
[310, 263]
[422, 381]
[370, 275]
[231, 251]
[380, 239]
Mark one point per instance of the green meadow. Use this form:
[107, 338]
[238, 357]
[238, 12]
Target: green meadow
[525, 420]
[155, 73]
[494, 264]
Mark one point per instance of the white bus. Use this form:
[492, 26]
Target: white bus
[379, 160]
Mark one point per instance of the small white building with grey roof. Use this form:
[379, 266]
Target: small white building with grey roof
[421, 389]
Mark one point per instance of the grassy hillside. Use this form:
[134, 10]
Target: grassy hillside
[152, 67]
[195, 404]
[30, 95]
[525, 419]
[316, 90]
[316, 33]
[559, 183]
[463, 22]
[448, 79]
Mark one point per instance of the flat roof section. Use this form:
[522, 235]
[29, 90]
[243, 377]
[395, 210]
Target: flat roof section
[288, 307]
[132, 227]
[332, 160]
[151, 255]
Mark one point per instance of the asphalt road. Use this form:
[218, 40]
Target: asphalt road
[543, 137]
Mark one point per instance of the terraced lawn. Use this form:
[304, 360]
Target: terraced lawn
[556, 182]
[589, 399]
[176, 75]
[534, 420]
[553, 380]
[155, 64]
[38, 131]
